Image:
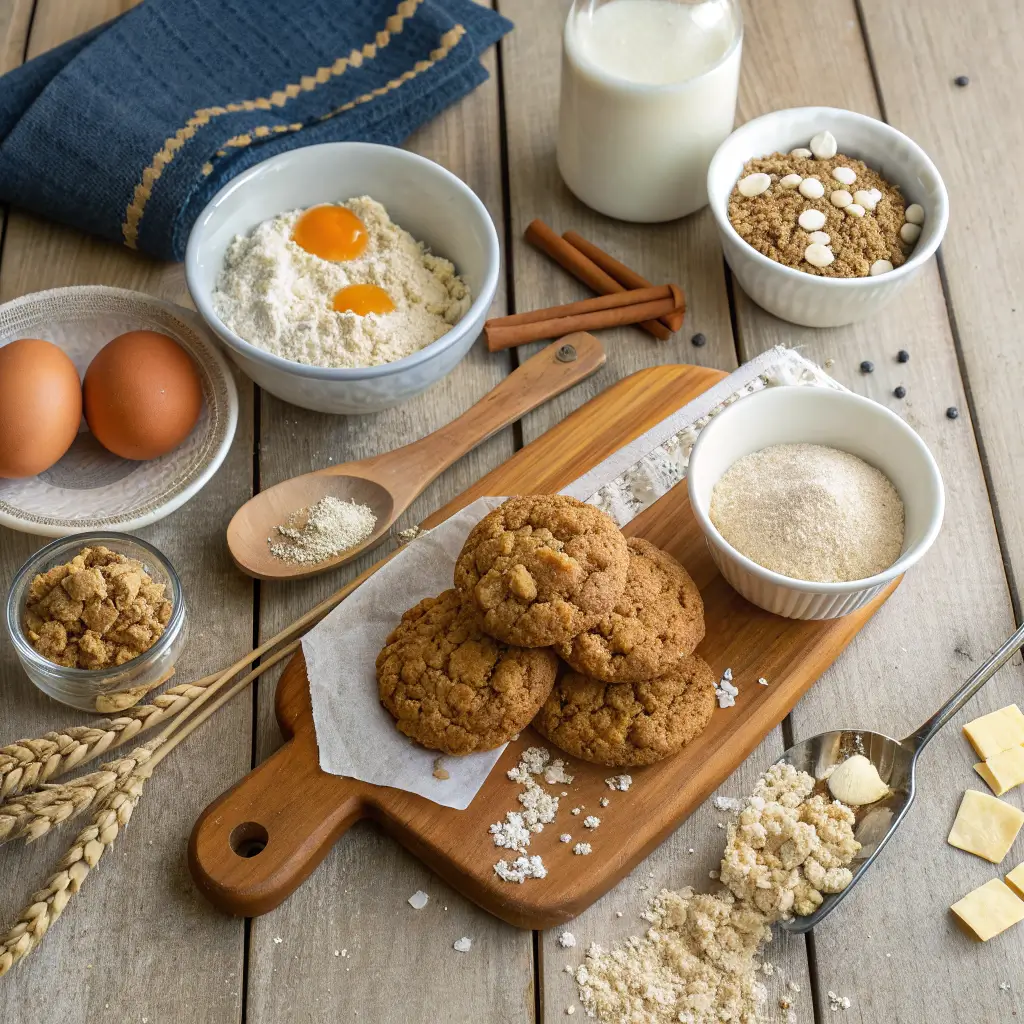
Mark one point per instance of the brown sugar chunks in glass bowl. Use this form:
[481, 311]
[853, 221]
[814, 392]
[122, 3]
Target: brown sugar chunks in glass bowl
[453, 688]
[543, 569]
[658, 619]
[629, 724]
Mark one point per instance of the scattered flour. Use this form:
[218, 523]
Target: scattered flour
[591, 821]
[539, 808]
[567, 940]
[462, 945]
[582, 849]
[520, 869]
[279, 297]
[619, 782]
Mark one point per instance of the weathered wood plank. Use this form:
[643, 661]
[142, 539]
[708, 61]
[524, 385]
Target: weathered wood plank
[138, 941]
[911, 962]
[400, 965]
[685, 251]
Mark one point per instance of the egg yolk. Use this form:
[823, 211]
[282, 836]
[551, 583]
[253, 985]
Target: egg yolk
[362, 299]
[331, 232]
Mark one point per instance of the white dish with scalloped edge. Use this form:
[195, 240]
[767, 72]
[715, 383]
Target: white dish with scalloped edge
[90, 488]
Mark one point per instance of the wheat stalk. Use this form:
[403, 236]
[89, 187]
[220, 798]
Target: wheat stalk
[46, 905]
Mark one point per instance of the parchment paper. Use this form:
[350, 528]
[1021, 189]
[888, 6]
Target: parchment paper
[356, 736]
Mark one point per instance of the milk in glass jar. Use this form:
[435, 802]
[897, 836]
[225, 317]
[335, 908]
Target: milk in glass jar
[648, 94]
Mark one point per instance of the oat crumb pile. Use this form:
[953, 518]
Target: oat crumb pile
[278, 296]
[831, 216]
[322, 530]
[810, 512]
[99, 610]
[697, 961]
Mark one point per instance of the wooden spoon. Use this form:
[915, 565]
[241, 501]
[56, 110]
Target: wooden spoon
[389, 483]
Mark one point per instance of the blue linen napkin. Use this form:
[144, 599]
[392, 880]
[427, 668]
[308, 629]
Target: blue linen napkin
[129, 130]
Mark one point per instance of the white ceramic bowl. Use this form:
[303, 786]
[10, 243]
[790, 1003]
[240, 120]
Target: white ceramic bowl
[425, 199]
[839, 419]
[805, 298]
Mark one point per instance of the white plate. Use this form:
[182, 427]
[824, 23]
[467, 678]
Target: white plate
[90, 488]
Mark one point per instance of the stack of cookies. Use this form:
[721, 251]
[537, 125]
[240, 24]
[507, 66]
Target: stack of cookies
[558, 619]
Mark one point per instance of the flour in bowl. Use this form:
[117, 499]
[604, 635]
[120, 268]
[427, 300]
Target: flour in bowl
[280, 297]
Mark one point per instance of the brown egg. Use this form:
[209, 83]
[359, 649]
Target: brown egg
[40, 406]
[143, 395]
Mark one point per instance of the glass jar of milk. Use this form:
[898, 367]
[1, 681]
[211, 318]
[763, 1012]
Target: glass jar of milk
[648, 94]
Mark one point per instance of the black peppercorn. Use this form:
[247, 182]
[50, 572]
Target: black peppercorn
[900, 391]
[698, 340]
[867, 366]
[952, 412]
[961, 80]
[903, 356]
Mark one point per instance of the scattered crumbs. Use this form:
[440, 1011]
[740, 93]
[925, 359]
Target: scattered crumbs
[725, 691]
[690, 850]
[520, 869]
[532, 762]
[462, 945]
[762, 681]
[727, 675]
[784, 1003]
[713, 874]
[555, 773]
[512, 833]
[829, 363]
[889, 955]
[591, 821]
[794, 987]
[440, 772]
[567, 940]
[277, 940]
[604, 801]
[563, 793]
[409, 533]
[619, 782]
[565, 838]
[721, 824]
[576, 810]
[337, 952]
[1004, 986]
[582, 849]
[418, 900]
[767, 969]
[570, 1010]
[728, 803]
[837, 1002]
[568, 969]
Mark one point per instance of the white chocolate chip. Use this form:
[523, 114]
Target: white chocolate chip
[820, 237]
[811, 188]
[824, 145]
[818, 255]
[841, 198]
[800, 151]
[876, 193]
[914, 214]
[753, 185]
[854, 210]
[880, 267]
[910, 233]
[844, 174]
[811, 220]
[791, 181]
[865, 199]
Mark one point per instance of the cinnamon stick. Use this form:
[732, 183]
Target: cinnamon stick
[617, 270]
[501, 337]
[612, 301]
[539, 235]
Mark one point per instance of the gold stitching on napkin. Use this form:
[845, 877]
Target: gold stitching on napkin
[448, 43]
[133, 214]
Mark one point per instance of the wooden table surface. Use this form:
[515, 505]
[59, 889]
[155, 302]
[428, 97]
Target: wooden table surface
[141, 945]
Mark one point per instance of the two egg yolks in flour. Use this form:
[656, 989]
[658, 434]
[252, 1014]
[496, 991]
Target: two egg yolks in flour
[335, 233]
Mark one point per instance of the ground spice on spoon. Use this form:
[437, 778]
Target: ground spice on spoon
[322, 530]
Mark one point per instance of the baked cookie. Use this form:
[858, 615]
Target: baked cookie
[623, 724]
[543, 568]
[658, 619]
[451, 687]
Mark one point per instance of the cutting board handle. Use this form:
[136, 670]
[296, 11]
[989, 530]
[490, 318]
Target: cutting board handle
[256, 844]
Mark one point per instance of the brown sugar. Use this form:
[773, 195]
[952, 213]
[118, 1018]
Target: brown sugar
[768, 221]
[99, 610]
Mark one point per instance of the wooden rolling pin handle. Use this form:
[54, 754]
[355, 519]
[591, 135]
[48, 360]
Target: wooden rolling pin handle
[256, 844]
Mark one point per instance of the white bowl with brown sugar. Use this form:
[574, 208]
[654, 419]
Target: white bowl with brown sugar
[803, 293]
[800, 419]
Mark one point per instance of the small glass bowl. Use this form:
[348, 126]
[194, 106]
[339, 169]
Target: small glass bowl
[92, 689]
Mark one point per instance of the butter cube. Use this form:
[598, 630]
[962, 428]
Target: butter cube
[989, 910]
[985, 826]
[1015, 880]
[1004, 770]
[993, 733]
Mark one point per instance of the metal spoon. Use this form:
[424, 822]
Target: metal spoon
[896, 761]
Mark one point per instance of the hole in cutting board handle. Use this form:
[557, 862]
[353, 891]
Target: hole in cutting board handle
[248, 839]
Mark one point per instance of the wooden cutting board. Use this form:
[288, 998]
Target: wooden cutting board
[255, 844]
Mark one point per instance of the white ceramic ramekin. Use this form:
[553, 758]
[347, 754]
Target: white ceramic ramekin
[424, 198]
[805, 298]
[839, 419]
